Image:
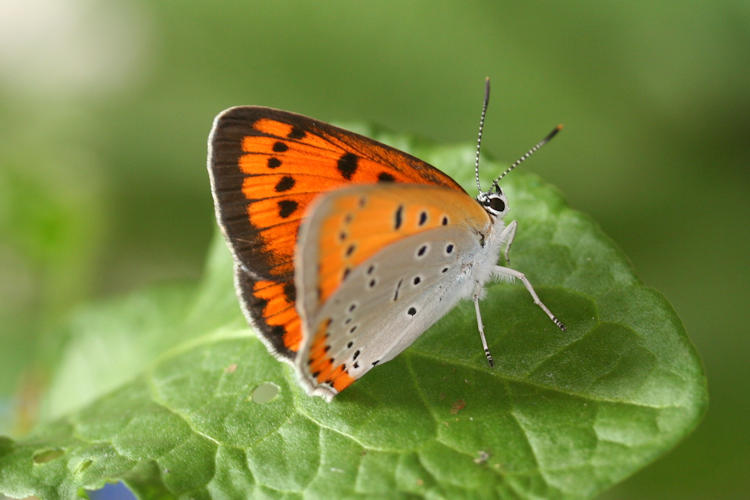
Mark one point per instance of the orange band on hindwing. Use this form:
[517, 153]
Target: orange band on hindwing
[272, 309]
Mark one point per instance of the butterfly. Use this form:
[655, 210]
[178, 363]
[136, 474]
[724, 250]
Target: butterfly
[346, 250]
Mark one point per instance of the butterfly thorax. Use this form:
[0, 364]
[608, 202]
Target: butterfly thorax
[484, 264]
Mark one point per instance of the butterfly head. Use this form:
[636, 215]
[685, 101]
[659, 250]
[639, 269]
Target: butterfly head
[493, 201]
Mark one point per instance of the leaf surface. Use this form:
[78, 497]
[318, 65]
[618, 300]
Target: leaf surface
[167, 389]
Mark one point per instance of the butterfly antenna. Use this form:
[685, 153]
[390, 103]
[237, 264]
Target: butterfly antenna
[481, 127]
[530, 152]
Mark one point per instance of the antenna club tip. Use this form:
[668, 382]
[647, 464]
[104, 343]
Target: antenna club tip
[552, 134]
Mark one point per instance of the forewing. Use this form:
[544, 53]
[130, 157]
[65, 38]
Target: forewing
[267, 166]
[375, 266]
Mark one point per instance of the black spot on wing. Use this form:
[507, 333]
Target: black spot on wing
[273, 162]
[285, 184]
[347, 165]
[398, 287]
[290, 292]
[287, 208]
[296, 133]
[399, 217]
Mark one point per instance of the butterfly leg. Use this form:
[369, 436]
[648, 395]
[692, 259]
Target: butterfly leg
[480, 325]
[508, 235]
[506, 272]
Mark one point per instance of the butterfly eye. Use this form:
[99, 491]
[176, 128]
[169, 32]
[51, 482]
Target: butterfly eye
[493, 203]
[497, 204]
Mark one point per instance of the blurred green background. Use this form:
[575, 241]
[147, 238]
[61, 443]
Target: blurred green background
[105, 109]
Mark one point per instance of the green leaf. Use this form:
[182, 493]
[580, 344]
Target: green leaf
[169, 391]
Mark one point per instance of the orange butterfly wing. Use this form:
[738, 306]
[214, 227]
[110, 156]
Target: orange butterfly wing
[266, 167]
